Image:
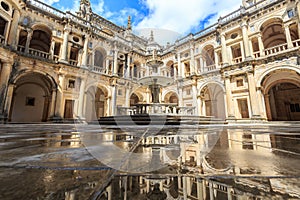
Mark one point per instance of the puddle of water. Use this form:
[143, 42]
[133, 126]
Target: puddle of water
[171, 163]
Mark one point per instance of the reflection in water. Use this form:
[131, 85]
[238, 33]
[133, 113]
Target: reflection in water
[186, 163]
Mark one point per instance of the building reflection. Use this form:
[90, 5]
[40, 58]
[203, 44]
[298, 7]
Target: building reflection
[208, 164]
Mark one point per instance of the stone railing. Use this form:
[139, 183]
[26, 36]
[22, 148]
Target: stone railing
[156, 108]
[206, 31]
[21, 48]
[296, 43]
[38, 53]
[209, 68]
[231, 16]
[73, 62]
[46, 8]
[256, 54]
[97, 69]
[276, 49]
[237, 60]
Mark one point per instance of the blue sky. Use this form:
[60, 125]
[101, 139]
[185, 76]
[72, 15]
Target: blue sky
[180, 16]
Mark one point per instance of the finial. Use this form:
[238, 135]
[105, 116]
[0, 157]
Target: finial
[129, 23]
[151, 39]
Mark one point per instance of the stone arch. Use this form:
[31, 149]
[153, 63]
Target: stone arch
[41, 38]
[212, 100]
[272, 32]
[208, 57]
[281, 90]
[171, 68]
[171, 97]
[135, 98]
[99, 57]
[32, 97]
[96, 102]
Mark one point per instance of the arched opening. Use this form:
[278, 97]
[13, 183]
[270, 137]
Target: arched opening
[41, 40]
[208, 58]
[134, 99]
[282, 95]
[171, 68]
[3, 24]
[213, 103]
[95, 103]
[171, 97]
[273, 33]
[99, 58]
[32, 98]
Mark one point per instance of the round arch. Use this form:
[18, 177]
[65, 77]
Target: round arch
[281, 90]
[32, 97]
[212, 100]
[41, 38]
[96, 103]
[171, 97]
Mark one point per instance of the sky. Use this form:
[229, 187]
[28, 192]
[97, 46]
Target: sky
[178, 16]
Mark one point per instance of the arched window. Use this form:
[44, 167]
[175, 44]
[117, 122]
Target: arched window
[3, 23]
[99, 58]
[41, 40]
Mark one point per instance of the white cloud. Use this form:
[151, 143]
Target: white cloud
[49, 2]
[182, 15]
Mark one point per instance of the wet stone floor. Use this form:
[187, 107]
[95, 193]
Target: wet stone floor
[74, 162]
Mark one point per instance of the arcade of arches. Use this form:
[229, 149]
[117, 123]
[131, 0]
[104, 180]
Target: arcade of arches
[96, 103]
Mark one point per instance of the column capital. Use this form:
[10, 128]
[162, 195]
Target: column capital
[67, 29]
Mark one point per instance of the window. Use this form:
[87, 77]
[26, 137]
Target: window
[291, 13]
[71, 83]
[5, 6]
[188, 92]
[239, 83]
[30, 101]
[120, 92]
[294, 107]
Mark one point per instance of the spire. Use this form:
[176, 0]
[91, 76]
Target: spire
[85, 10]
[151, 39]
[129, 23]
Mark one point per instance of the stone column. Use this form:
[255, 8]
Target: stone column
[115, 69]
[254, 101]
[200, 189]
[288, 36]
[216, 60]
[211, 190]
[268, 107]
[108, 106]
[53, 102]
[64, 50]
[28, 39]
[229, 100]
[180, 93]
[262, 102]
[4, 77]
[224, 50]
[13, 34]
[261, 45]
[8, 100]
[85, 52]
[194, 93]
[128, 66]
[52, 49]
[229, 195]
[179, 66]
[81, 98]
[201, 62]
[184, 188]
[127, 97]
[59, 97]
[192, 63]
[199, 106]
[114, 98]
[246, 41]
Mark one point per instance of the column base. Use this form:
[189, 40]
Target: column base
[56, 119]
[63, 61]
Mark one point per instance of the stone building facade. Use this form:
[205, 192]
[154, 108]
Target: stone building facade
[58, 65]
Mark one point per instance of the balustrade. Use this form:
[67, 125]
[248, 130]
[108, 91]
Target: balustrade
[39, 53]
[276, 49]
[237, 59]
[73, 62]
